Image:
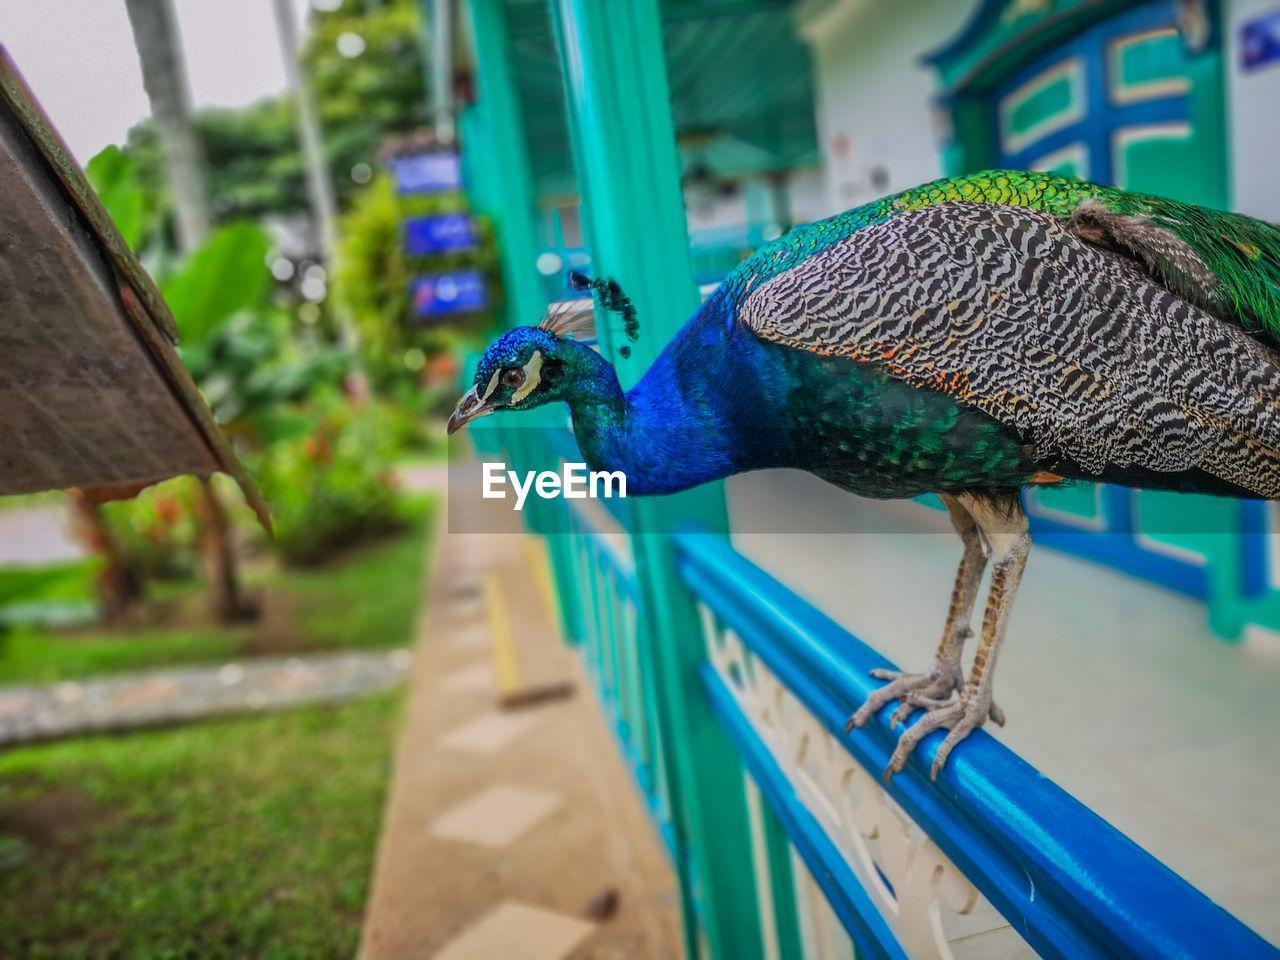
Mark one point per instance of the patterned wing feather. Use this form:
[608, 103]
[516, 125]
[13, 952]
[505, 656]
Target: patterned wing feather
[1078, 348]
[1226, 263]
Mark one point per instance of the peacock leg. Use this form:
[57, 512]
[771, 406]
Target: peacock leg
[945, 676]
[1004, 529]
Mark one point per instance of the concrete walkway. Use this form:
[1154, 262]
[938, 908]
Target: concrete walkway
[510, 833]
[184, 694]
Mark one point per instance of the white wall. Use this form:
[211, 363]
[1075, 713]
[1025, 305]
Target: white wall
[707, 211]
[808, 195]
[1253, 119]
[874, 96]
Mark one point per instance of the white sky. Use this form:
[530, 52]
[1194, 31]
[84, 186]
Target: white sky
[78, 57]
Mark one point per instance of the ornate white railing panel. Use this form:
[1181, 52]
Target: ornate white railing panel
[935, 911]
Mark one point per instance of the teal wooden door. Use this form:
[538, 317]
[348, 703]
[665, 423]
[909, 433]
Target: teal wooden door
[1134, 101]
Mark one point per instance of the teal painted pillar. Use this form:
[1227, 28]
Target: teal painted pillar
[500, 164]
[624, 148]
[628, 168]
[501, 186]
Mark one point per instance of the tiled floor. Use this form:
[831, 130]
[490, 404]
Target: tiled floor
[1113, 688]
[478, 678]
[497, 816]
[515, 930]
[488, 733]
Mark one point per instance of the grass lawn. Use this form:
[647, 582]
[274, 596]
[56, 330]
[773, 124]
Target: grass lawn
[251, 837]
[365, 598]
[26, 501]
[247, 837]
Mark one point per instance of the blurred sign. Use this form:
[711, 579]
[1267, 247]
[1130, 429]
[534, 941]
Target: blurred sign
[1260, 41]
[448, 231]
[434, 171]
[449, 293]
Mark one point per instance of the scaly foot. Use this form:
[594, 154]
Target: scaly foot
[914, 690]
[960, 716]
[935, 692]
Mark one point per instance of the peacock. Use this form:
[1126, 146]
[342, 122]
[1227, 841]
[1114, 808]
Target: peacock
[969, 338]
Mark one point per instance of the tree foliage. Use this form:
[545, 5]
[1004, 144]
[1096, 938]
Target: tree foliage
[132, 207]
[373, 273]
[254, 163]
[363, 100]
[224, 275]
[237, 344]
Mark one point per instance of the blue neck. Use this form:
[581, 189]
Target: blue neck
[696, 414]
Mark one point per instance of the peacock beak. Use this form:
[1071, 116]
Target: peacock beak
[469, 408]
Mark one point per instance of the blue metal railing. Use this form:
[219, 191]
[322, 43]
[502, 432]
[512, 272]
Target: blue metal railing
[1067, 881]
[1223, 558]
[611, 595]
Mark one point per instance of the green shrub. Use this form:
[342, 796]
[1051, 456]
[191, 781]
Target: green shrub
[373, 273]
[158, 531]
[333, 486]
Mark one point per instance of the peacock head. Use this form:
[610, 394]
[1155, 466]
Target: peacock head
[529, 366]
[525, 368]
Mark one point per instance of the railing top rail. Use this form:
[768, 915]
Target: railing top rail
[1069, 882]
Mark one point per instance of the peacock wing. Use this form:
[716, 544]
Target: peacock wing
[1226, 263]
[1094, 363]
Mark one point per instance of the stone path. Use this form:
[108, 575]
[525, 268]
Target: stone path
[184, 694]
[510, 832]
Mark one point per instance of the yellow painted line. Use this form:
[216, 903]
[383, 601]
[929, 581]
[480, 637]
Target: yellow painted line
[506, 664]
[536, 550]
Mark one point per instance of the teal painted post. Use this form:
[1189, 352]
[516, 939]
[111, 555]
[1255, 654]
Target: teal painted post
[508, 187]
[755, 197]
[781, 879]
[501, 182]
[624, 148]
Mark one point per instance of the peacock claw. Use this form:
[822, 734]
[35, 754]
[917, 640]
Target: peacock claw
[914, 690]
[960, 717]
[941, 693]
[911, 702]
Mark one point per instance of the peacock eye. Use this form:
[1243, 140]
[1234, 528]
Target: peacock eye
[513, 377]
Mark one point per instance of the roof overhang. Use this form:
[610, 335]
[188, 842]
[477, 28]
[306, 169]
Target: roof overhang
[92, 392]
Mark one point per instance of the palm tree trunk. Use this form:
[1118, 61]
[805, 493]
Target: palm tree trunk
[155, 34]
[319, 181]
[225, 597]
[118, 583]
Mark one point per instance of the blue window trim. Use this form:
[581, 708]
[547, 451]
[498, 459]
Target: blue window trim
[1102, 116]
